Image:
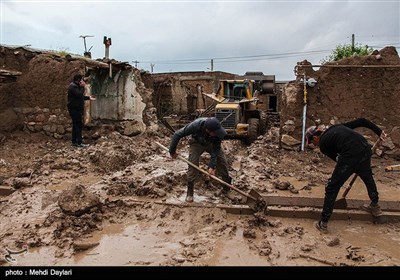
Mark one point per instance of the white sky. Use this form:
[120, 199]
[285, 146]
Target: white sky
[266, 36]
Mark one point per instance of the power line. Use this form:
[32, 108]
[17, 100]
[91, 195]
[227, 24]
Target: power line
[238, 58]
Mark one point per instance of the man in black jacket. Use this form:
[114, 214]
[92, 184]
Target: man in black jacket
[207, 135]
[352, 154]
[76, 99]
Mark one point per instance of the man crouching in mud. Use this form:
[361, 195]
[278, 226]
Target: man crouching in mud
[207, 135]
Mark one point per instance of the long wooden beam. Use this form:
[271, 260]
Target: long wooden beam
[294, 212]
[318, 202]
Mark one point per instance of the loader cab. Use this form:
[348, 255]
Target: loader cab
[234, 90]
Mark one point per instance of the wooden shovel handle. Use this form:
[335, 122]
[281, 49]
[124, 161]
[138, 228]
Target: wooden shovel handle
[346, 191]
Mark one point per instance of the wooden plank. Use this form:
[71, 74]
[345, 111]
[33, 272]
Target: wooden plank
[5, 190]
[318, 202]
[314, 213]
[392, 168]
[292, 212]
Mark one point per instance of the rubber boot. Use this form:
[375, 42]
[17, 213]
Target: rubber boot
[226, 189]
[190, 192]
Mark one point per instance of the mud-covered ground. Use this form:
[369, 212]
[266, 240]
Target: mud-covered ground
[120, 202]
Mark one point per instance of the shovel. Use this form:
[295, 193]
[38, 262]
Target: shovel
[342, 203]
[254, 200]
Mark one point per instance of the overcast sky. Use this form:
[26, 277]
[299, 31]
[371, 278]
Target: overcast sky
[266, 36]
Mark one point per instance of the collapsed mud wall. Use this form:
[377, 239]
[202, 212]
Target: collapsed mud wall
[37, 100]
[44, 80]
[180, 93]
[348, 92]
[360, 86]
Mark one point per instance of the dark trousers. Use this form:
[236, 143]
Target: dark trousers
[77, 125]
[360, 165]
[195, 151]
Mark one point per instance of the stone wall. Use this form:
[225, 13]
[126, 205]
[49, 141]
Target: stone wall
[52, 122]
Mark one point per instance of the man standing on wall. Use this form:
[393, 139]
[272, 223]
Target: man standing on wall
[76, 99]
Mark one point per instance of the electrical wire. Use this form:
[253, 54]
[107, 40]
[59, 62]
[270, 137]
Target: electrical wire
[239, 58]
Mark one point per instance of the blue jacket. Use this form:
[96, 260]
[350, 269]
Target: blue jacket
[198, 132]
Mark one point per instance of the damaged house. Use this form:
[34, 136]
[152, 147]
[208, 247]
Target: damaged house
[37, 101]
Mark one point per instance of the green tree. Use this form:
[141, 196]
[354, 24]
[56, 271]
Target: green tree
[347, 50]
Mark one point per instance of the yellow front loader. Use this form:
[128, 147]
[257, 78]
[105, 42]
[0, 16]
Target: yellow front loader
[238, 109]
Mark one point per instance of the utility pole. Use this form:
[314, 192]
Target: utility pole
[87, 52]
[152, 67]
[352, 43]
[212, 65]
[136, 63]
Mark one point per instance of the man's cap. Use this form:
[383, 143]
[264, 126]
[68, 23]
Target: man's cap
[213, 125]
[313, 131]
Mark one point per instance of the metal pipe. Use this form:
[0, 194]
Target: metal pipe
[304, 113]
[304, 127]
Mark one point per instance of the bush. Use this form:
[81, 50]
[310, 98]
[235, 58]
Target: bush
[347, 50]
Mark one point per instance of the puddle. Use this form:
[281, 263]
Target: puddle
[236, 252]
[137, 244]
[119, 245]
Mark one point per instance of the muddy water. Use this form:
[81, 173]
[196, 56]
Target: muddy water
[61, 185]
[119, 245]
[164, 231]
[235, 251]
[135, 244]
[185, 241]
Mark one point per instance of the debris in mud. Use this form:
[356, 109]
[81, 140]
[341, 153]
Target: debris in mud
[353, 254]
[74, 227]
[290, 143]
[332, 241]
[179, 259]
[264, 248]
[249, 233]
[148, 190]
[297, 230]
[83, 245]
[261, 206]
[193, 249]
[307, 187]
[112, 159]
[307, 247]
[315, 159]
[19, 183]
[285, 185]
[118, 190]
[259, 220]
[321, 260]
[77, 201]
